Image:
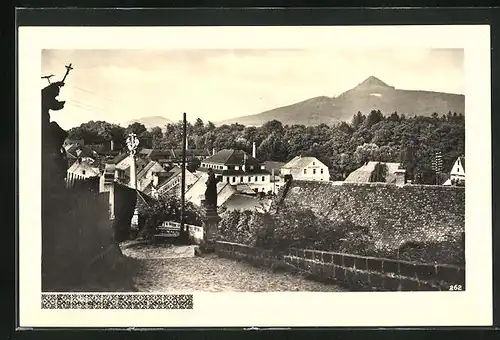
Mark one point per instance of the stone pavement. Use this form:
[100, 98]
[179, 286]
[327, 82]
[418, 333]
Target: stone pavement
[172, 269]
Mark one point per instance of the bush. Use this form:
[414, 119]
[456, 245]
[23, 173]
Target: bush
[167, 208]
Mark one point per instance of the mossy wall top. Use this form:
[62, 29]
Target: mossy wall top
[393, 214]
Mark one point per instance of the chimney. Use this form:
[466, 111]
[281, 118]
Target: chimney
[254, 154]
[112, 145]
[400, 177]
[213, 151]
[244, 167]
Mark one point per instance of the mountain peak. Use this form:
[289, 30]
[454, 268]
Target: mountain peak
[373, 81]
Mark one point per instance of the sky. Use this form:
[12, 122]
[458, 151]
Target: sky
[120, 85]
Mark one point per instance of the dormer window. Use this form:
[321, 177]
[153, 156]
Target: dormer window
[236, 167]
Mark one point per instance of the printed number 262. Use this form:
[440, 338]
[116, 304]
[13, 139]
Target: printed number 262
[455, 287]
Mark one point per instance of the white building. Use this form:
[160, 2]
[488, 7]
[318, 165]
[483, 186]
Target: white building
[236, 167]
[457, 172]
[306, 169]
[81, 170]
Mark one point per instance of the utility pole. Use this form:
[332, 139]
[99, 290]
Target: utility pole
[184, 231]
[437, 165]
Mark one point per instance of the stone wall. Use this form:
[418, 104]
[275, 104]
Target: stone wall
[395, 215]
[357, 273]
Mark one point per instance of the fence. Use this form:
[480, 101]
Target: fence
[355, 272]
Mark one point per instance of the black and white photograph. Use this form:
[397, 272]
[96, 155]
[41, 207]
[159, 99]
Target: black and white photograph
[172, 172]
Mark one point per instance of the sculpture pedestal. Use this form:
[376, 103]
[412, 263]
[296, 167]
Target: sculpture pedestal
[210, 225]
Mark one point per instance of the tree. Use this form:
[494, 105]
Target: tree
[136, 128]
[157, 136]
[357, 120]
[379, 173]
[366, 152]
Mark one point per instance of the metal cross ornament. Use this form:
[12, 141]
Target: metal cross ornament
[132, 143]
[68, 68]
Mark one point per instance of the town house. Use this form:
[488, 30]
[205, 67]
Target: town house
[236, 167]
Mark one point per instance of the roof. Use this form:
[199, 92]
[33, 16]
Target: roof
[271, 165]
[120, 157]
[83, 165]
[362, 174]
[86, 151]
[244, 188]
[177, 153]
[233, 172]
[232, 157]
[152, 165]
[299, 162]
[144, 200]
[245, 202]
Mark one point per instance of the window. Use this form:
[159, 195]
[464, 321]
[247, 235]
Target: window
[314, 163]
[241, 179]
[83, 172]
[227, 179]
[234, 179]
[263, 178]
[305, 171]
[321, 170]
[314, 171]
[256, 179]
[458, 170]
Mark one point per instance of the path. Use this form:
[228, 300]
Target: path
[210, 274]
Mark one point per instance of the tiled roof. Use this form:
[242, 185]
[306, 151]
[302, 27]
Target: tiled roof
[256, 172]
[245, 202]
[83, 166]
[232, 157]
[362, 174]
[177, 153]
[276, 166]
[120, 157]
[299, 162]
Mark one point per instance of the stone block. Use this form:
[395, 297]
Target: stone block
[317, 269]
[407, 269]
[328, 271]
[318, 255]
[338, 260]
[309, 254]
[349, 261]
[451, 274]
[391, 284]
[374, 265]
[360, 263]
[389, 266]
[409, 285]
[425, 272]
[340, 274]
[327, 257]
[377, 281]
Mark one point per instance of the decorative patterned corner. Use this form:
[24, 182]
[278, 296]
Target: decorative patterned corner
[115, 301]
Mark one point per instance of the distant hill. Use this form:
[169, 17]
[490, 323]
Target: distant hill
[150, 122]
[371, 94]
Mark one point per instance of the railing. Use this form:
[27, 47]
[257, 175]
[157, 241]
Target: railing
[173, 229]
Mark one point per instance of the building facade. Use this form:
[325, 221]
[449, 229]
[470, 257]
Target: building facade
[306, 169]
[236, 167]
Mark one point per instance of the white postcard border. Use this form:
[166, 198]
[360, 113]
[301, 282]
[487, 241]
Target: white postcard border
[472, 307]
